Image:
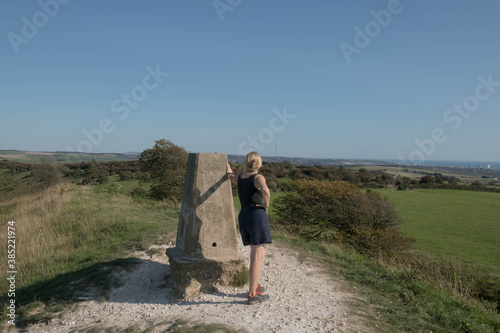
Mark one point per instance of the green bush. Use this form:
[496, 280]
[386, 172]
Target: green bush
[340, 212]
[138, 192]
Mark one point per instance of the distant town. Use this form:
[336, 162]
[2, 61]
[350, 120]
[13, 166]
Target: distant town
[487, 170]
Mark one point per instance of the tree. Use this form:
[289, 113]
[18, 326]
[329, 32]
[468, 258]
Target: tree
[382, 178]
[426, 180]
[46, 173]
[364, 175]
[164, 166]
[404, 181]
[439, 180]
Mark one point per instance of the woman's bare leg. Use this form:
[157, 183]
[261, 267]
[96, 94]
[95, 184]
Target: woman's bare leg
[257, 253]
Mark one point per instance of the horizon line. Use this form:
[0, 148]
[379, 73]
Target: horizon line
[268, 156]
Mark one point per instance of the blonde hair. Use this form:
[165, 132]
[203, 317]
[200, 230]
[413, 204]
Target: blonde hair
[253, 162]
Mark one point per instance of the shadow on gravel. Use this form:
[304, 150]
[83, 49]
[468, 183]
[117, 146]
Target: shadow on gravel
[38, 302]
[240, 298]
[150, 283]
[127, 280]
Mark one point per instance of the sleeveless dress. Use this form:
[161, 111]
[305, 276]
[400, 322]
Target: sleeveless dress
[252, 219]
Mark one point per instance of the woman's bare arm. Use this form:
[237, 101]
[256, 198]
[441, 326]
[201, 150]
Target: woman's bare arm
[260, 183]
[230, 175]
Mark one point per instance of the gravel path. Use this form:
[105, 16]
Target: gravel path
[303, 299]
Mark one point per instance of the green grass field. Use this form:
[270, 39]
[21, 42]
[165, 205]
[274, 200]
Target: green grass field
[458, 224]
[126, 186]
[285, 180]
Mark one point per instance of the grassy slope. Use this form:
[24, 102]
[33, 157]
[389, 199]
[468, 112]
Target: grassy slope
[67, 232]
[15, 185]
[449, 223]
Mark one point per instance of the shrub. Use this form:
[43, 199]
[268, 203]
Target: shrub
[340, 212]
[126, 175]
[284, 187]
[138, 192]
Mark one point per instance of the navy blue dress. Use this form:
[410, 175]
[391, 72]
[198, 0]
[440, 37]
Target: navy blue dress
[253, 220]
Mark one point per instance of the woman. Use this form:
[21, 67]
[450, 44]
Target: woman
[254, 225]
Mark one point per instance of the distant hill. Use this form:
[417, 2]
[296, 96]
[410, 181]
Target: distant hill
[64, 157]
[72, 157]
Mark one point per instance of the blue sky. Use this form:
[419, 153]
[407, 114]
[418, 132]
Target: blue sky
[252, 75]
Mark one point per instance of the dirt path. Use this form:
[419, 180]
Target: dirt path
[303, 299]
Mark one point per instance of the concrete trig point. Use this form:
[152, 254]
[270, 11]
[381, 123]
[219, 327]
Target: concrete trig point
[206, 251]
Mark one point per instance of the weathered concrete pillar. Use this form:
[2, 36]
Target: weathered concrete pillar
[206, 251]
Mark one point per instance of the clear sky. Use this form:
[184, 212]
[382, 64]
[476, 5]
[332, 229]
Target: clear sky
[413, 80]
